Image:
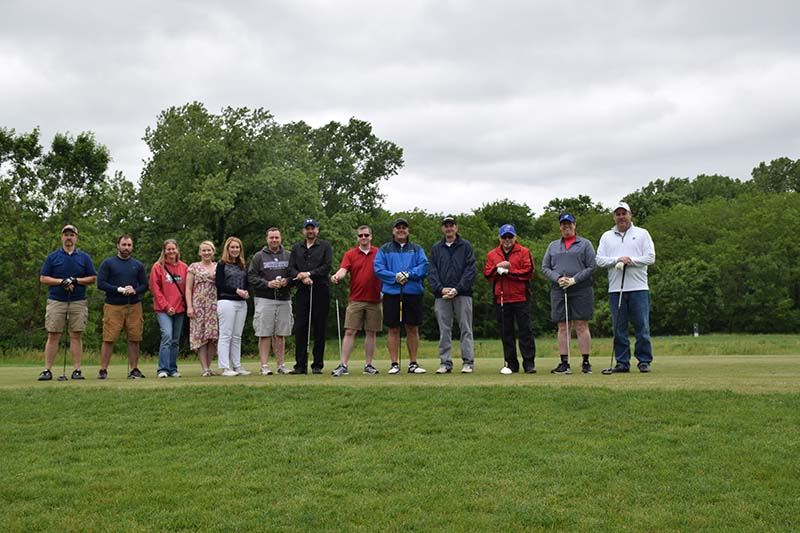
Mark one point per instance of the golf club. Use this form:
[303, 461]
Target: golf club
[505, 369]
[400, 340]
[310, 307]
[610, 370]
[275, 322]
[566, 313]
[339, 328]
[127, 330]
[63, 376]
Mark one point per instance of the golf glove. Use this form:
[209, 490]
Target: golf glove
[401, 277]
[569, 282]
[502, 271]
[620, 265]
[66, 283]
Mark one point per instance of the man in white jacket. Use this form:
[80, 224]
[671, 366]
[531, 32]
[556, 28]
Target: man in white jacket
[626, 251]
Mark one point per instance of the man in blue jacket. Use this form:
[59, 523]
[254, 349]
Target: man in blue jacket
[124, 280]
[401, 266]
[451, 277]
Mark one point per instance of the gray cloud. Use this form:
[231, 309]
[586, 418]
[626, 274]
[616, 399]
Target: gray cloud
[523, 100]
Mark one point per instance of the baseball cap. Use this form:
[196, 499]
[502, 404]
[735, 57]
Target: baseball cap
[400, 222]
[449, 219]
[310, 222]
[623, 205]
[69, 227]
[507, 228]
[566, 216]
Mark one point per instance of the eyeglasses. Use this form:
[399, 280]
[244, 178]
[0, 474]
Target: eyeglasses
[507, 236]
[363, 235]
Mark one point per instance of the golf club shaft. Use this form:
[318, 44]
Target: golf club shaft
[339, 328]
[400, 336]
[310, 307]
[616, 317]
[566, 315]
[66, 337]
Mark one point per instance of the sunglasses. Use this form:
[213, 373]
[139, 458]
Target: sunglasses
[507, 236]
[363, 235]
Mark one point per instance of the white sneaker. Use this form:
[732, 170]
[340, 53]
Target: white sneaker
[395, 369]
[414, 368]
[175, 374]
[242, 372]
[506, 371]
[265, 371]
[163, 374]
[229, 373]
[466, 368]
[283, 370]
[207, 373]
[444, 370]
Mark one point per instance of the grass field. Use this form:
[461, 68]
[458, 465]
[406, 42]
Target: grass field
[706, 441]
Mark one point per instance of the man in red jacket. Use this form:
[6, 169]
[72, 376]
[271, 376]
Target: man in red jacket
[509, 268]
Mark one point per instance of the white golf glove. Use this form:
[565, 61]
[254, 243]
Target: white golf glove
[502, 271]
[565, 283]
[401, 277]
[620, 265]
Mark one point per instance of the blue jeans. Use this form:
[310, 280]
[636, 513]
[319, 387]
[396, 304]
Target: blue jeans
[635, 308]
[171, 328]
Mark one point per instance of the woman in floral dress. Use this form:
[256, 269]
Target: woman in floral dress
[201, 306]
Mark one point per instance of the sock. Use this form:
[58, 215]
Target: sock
[586, 358]
[564, 358]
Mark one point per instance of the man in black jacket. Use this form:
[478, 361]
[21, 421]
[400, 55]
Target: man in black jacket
[309, 266]
[451, 275]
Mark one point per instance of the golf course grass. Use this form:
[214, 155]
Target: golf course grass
[702, 442]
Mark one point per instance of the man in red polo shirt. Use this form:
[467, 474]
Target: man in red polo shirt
[364, 306]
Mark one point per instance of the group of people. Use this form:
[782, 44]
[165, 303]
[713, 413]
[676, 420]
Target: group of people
[386, 285]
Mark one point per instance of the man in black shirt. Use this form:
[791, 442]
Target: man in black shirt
[309, 266]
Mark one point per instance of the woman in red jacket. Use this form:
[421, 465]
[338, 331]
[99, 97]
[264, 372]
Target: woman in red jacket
[168, 285]
[509, 268]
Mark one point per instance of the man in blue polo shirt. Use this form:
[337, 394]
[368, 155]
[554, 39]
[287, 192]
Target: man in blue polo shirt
[67, 271]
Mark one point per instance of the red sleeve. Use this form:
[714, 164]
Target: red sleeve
[156, 279]
[347, 261]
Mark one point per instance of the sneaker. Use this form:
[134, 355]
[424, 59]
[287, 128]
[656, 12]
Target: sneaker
[586, 367]
[643, 367]
[619, 369]
[163, 374]
[395, 369]
[103, 374]
[265, 371]
[283, 370]
[77, 374]
[207, 373]
[340, 370]
[371, 370]
[530, 370]
[506, 371]
[229, 373]
[242, 372]
[467, 368]
[444, 369]
[175, 374]
[414, 368]
[46, 375]
[316, 371]
[135, 374]
[562, 368]
[297, 372]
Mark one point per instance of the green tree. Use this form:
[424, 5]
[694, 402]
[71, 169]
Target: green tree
[781, 175]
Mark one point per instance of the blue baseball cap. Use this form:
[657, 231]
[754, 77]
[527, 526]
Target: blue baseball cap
[566, 216]
[507, 228]
[310, 222]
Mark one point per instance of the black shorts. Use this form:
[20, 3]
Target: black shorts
[412, 309]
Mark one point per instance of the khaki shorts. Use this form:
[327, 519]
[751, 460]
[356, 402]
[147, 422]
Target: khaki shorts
[272, 315]
[118, 317]
[55, 315]
[364, 315]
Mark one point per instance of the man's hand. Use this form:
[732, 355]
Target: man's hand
[620, 265]
[566, 282]
[502, 271]
[69, 283]
[401, 278]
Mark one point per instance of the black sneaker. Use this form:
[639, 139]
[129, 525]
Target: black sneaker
[619, 369]
[103, 374]
[298, 372]
[135, 374]
[340, 370]
[644, 367]
[562, 368]
[586, 367]
[316, 371]
[46, 375]
[77, 374]
[530, 370]
[371, 370]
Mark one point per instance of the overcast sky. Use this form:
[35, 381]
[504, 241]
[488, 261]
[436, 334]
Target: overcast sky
[489, 100]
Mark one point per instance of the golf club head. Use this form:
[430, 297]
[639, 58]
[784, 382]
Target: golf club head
[607, 371]
[506, 371]
[62, 377]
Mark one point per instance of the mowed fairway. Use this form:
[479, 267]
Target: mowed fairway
[704, 442]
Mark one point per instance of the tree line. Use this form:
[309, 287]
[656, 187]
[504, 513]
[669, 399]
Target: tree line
[727, 251]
